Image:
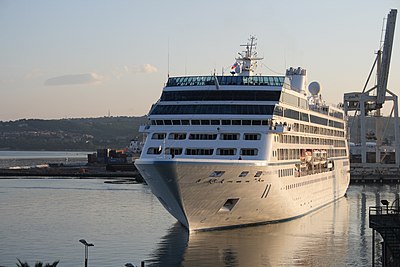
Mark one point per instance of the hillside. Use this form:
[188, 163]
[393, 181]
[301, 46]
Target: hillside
[85, 134]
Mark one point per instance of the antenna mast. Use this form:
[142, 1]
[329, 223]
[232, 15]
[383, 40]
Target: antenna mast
[168, 60]
[248, 58]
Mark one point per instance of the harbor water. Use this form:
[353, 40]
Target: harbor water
[44, 219]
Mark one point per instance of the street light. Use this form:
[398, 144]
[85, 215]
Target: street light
[87, 245]
[386, 203]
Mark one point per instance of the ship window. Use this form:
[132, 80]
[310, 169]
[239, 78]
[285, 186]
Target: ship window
[252, 136]
[202, 136]
[226, 151]
[289, 113]
[217, 173]
[229, 205]
[185, 122]
[249, 152]
[258, 174]
[199, 151]
[243, 174]
[158, 136]
[338, 114]
[278, 111]
[173, 151]
[226, 122]
[226, 80]
[154, 150]
[214, 122]
[304, 117]
[195, 122]
[290, 99]
[319, 120]
[230, 136]
[167, 122]
[177, 136]
[338, 125]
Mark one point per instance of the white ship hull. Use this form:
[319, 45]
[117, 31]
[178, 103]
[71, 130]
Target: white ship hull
[199, 201]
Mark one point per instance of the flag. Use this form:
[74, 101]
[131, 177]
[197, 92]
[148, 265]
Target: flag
[234, 66]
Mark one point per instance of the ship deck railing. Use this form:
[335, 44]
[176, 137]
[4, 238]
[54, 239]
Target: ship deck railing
[383, 211]
[273, 129]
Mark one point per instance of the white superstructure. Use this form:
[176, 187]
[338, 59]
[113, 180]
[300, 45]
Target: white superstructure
[224, 151]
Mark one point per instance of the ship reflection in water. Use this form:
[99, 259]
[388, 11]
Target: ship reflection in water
[335, 235]
[306, 241]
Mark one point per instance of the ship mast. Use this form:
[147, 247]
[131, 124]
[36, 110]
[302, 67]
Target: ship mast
[248, 58]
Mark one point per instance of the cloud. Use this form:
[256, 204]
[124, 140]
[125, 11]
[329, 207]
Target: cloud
[75, 79]
[148, 68]
[119, 72]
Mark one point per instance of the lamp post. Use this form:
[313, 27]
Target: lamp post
[386, 203]
[87, 245]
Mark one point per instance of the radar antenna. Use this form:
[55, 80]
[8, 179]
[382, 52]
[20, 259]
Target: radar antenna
[247, 59]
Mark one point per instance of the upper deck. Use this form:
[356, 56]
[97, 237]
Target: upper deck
[244, 95]
[225, 80]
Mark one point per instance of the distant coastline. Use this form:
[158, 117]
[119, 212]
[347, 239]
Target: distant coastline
[83, 134]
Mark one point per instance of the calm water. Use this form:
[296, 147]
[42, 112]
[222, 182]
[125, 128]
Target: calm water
[43, 219]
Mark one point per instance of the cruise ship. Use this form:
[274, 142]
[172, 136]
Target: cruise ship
[243, 148]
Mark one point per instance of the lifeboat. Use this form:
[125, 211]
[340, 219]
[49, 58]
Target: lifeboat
[323, 157]
[308, 156]
[316, 157]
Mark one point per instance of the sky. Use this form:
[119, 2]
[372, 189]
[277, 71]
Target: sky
[75, 59]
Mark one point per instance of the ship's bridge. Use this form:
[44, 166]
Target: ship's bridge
[219, 95]
[226, 80]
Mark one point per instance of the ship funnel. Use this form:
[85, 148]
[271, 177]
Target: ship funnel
[297, 78]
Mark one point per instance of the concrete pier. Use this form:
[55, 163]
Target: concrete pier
[374, 173]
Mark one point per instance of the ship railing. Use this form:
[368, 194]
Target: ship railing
[279, 128]
[320, 109]
[384, 210]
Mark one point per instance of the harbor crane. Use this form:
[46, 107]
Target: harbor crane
[371, 101]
